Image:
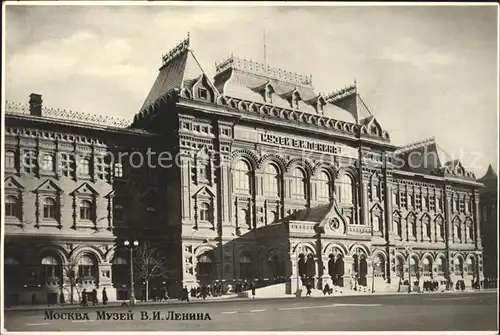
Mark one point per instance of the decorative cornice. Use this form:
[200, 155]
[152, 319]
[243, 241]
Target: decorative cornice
[176, 51]
[63, 114]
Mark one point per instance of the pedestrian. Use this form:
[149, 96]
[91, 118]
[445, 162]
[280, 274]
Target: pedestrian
[84, 298]
[326, 289]
[186, 293]
[308, 287]
[165, 294]
[94, 297]
[104, 296]
[253, 291]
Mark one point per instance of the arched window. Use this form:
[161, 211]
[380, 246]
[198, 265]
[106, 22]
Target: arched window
[379, 265]
[242, 178]
[87, 267]
[269, 94]
[377, 223]
[10, 160]
[205, 212]
[414, 265]
[470, 233]
[13, 271]
[51, 267]
[400, 266]
[459, 266]
[271, 181]
[205, 266]
[298, 184]
[440, 227]
[244, 218]
[440, 265]
[426, 227]
[470, 266]
[427, 266]
[412, 226]
[344, 190]
[457, 232]
[324, 186]
[246, 267]
[84, 167]
[396, 225]
[49, 208]
[118, 170]
[12, 206]
[272, 217]
[86, 210]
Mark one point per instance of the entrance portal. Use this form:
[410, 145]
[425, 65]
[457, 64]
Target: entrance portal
[336, 269]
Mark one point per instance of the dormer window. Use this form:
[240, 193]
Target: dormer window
[295, 100]
[202, 93]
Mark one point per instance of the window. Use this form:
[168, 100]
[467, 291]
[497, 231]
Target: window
[118, 213]
[151, 215]
[397, 226]
[470, 234]
[120, 270]
[440, 265]
[10, 160]
[455, 204]
[427, 266]
[269, 94]
[30, 161]
[84, 167]
[205, 212]
[101, 168]
[470, 266]
[12, 206]
[324, 187]
[298, 184]
[402, 199]
[271, 181]
[205, 265]
[203, 172]
[244, 218]
[394, 199]
[410, 200]
[87, 267]
[412, 226]
[272, 217]
[86, 210]
[49, 208]
[467, 205]
[459, 266]
[424, 202]
[202, 93]
[242, 177]
[377, 223]
[246, 267]
[457, 232]
[438, 203]
[379, 266]
[66, 164]
[418, 201]
[48, 163]
[440, 227]
[461, 206]
[51, 268]
[413, 265]
[118, 170]
[432, 202]
[426, 227]
[400, 266]
[343, 189]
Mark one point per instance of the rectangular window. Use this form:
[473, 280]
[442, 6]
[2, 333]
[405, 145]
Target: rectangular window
[394, 199]
[66, 164]
[84, 167]
[202, 93]
[101, 168]
[432, 202]
[48, 162]
[418, 201]
[10, 160]
[118, 170]
[462, 206]
[30, 161]
[402, 199]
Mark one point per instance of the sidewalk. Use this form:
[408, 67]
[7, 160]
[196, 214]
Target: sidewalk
[231, 298]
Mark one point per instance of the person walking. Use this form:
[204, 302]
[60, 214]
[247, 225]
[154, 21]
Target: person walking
[104, 296]
[326, 289]
[84, 298]
[308, 287]
[94, 297]
[253, 291]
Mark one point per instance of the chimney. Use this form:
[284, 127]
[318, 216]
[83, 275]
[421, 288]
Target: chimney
[35, 104]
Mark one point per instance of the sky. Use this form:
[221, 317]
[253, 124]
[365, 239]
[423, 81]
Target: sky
[423, 71]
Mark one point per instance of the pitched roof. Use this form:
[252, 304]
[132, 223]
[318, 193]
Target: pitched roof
[490, 180]
[314, 214]
[180, 69]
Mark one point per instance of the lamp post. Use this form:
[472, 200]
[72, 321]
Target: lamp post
[408, 250]
[131, 246]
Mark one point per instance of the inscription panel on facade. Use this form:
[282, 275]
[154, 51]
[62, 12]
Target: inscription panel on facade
[293, 142]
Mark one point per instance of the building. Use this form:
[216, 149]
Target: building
[254, 176]
[489, 222]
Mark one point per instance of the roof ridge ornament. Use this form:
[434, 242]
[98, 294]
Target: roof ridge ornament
[416, 144]
[342, 93]
[176, 51]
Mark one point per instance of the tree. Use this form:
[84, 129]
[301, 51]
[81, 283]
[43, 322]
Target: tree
[149, 264]
[69, 271]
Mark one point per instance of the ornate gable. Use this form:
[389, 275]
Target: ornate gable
[84, 189]
[12, 183]
[333, 220]
[48, 186]
[205, 193]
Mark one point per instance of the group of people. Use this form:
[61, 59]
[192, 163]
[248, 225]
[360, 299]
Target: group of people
[490, 282]
[93, 297]
[157, 294]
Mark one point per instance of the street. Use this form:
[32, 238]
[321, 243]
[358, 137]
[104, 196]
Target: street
[416, 312]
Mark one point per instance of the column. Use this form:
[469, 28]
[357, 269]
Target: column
[185, 188]
[388, 208]
[325, 278]
[348, 283]
[370, 280]
[364, 202]
[476, 218]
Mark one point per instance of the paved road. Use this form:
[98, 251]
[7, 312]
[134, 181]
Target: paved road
[419, 312]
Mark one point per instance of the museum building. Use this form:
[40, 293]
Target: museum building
[270, 182]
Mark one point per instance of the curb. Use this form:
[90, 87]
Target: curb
[238, 299]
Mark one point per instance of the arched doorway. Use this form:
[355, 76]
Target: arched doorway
[274, 266]
[336, 269]
[360, 266]
[307, 269]
[246, 271]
